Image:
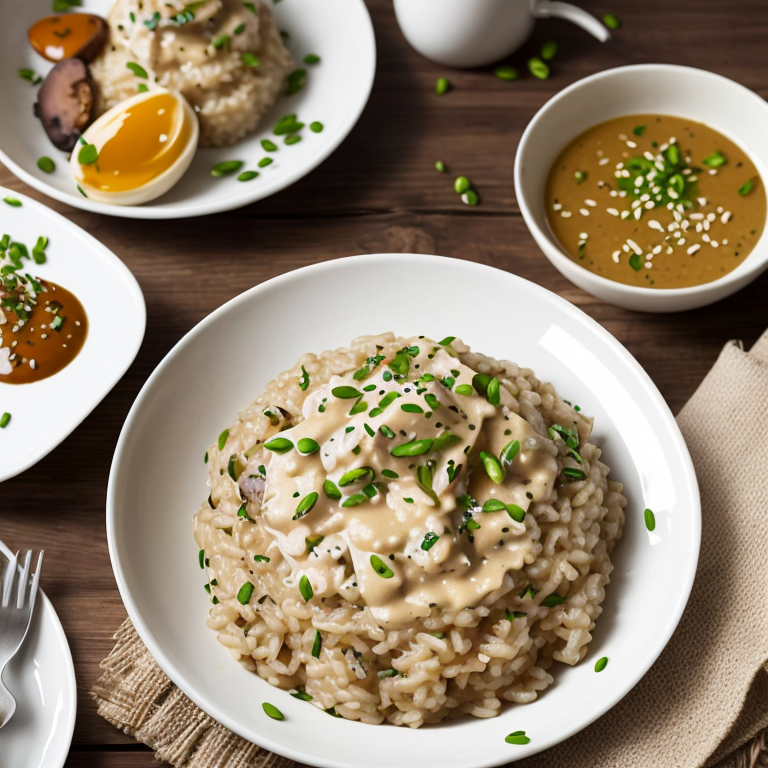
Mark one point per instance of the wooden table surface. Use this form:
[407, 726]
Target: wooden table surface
[379, 192]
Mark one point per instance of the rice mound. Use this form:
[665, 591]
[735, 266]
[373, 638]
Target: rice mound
[229, 96]
[449, 663]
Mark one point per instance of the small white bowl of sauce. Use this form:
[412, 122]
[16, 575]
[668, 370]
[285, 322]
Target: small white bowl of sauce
[644, 186]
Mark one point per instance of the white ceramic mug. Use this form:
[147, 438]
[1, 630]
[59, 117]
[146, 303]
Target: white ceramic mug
[473, 33]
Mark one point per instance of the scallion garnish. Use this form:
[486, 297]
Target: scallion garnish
[746, 187]
[461, 184]
[512, 615]
[247, 175]
[244, 594]
[360, 474]
[538, 68]
[317, 645]
[354, 500]
[279, 445]
[494, 505]
[442, 86]
[411, 408]
[463, 389]
[518, 737]
[313, 541]
[226, 168]
[550, 601]
[580, 176]
[493, 391]
[492, 467]
[307, 445]
[261, 558]
[223, 439]
[46, 165]
[31, 75]
[389, 473]
[430, 539]
[715, 160]
[346, 393]
[301, 694]
[137, 69]
[311, 58]
[305, 505]
[507, 73]
[549, 50]
[574, 474]
[295, 81]
[305, 587]
[528, 592]
[331, 491]
[414, 448]
[508, 452]
[12, 201]
[517, 513]
[650, 519]
[272, 711]
[601, 664]
[381, 567]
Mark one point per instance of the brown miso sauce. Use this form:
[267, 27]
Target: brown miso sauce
[37, 350]
[690, 245]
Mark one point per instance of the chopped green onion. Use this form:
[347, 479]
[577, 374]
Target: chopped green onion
[223, 439]
[463, 389]
[611, 21]
[239, 29]
[650, 519]
[575, 474]
[301, 694]
[389, 473]
[528, 592]
[429, 541]
[440, 166]
[287, 124]
[305, 587]
[414, 448]
[512, 615]
[295, 81]
[442, 86]
[494, 505]
[31, 75]
[746, 187]
[137, 69]
[638, 130]
[461, 184]
[46, 165]
[715, 160]
[5, 420]
[252, 8]
[538, 68]
[470, 197]
[307, 445]
[316, 127]
[580, 176]
[549, 50]
[222, 42]
[244, 594]
[201, 558]
[293, 139]
[518, 737]
[305, 505]
[269, 146]
[265, 161]
[386, 431]
[247, 175]
[447, 341]
[317, 645]
[506, 73]
[601, 664]
[550, 601]
[411, 408]
[272, 711]
[279, 445]
[311, 58]
[516, 512]
[388, 673]
[636, 261]
[261, 558]
[346, 393]
[331, 491]
[313, 541]
[361, 474]
[493, 391]
[508, 452]
[492, 467]
[226, 168]
[381, 567]
[354, 500]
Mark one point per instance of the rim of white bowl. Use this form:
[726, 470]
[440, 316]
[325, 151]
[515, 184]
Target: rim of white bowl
[265, 741]
[558, 255]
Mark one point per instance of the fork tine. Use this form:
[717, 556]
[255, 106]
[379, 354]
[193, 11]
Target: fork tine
[22, 585]
[36, 580]
[8, 577]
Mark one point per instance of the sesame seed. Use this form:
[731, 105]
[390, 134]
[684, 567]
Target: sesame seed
[603, 161]
[583, 211]
[714, 243]
[631, 145]
[613, 193]
[650, 204]
[705, 237]
[719, 208]
[693, 249]
[613, 211]
[565, 214]
[681, 241]
[653, 224]
[557, 207]
[634, 246]
[590, 203]
[615, 256]
[648, 264]
[725, 241]
[583, 235]
[657, 249]
[726, 217]
[711, 217]
[696, 216]
[622, 137]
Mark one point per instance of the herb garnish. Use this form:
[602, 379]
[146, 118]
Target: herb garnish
[601, 664]
[272, 711]
[518, 737]
[381, 567]
[650, 519]
[244, 595]
[305, 587]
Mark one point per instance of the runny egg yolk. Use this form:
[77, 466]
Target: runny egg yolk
[140, 144]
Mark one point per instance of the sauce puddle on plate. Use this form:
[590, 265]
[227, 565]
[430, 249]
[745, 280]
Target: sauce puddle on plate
[655, 201]
[49, 340]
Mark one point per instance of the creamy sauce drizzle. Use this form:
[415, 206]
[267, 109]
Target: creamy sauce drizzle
[465, 565]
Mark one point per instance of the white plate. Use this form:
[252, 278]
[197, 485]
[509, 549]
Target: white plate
[41, 678]
[44, 412]
[337, 90]
[158, 480]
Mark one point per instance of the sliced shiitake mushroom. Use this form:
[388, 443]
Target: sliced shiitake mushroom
[65, 103]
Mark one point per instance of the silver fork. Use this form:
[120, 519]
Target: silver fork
[17, 601]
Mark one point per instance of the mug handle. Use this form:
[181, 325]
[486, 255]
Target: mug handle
[543, 9]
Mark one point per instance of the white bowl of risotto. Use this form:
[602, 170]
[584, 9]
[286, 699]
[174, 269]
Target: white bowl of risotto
[408, 530]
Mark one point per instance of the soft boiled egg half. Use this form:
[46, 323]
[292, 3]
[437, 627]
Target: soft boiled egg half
[137, 150]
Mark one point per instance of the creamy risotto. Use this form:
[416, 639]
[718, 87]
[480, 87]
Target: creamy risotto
[405, 530]
[226, 57]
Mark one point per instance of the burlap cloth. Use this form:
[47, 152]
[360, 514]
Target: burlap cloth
[704, 702]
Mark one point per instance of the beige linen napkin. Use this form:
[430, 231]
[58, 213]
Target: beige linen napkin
[704, 702]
